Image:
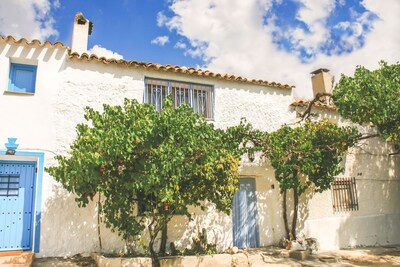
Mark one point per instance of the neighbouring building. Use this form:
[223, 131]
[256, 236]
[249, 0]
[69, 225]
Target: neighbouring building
[45, 88]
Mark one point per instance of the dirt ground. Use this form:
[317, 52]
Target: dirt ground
[273, 256]
[365, 256]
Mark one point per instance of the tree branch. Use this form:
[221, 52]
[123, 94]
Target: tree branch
[367, 136]
[306, 114]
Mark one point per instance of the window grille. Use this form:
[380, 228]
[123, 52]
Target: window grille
[9, 185]
[344, 194]
[198, 96]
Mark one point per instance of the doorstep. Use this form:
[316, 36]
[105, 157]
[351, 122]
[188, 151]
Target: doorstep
[16, 258]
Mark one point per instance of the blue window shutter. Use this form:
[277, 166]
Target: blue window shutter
[22, 78]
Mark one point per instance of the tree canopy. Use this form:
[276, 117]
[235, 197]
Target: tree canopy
[162, 162]
[305, 156]
[372, 97]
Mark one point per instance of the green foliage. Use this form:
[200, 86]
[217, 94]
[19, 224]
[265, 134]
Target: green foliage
[372, 97]
[308, 155]
[127, 153]
[311, 152]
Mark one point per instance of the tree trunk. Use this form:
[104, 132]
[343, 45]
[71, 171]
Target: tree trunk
[98, 223]
[154, 256]
[296, 210]
[164, 237]
[285, 219]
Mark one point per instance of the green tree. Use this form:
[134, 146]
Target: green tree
[162, 162]
[372, 97]
[305, 156]
[369, 97]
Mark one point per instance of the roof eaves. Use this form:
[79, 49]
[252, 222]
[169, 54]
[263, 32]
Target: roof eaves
[144, 65]
[177, 69]
[34, 42]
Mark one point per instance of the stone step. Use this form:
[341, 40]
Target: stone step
[16, 265]
[16, 259]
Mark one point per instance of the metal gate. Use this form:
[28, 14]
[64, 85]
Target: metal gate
[245, 217]
[17, 190]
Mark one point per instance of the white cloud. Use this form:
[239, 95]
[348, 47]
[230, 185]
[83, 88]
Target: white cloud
[161, 19]
[160, 40]
[104, 52]
[180, 45]
[31, 19]
[232, 37]
[314, 14]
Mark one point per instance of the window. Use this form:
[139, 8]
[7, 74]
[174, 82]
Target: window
[344, 194]
[9, 185]
[198, 96]
[22, 78]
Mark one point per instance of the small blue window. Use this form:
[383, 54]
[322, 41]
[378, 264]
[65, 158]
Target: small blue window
[22, 78]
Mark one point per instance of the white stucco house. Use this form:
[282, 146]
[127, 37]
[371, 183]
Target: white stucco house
[44, 89]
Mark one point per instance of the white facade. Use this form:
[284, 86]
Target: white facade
[45, 122]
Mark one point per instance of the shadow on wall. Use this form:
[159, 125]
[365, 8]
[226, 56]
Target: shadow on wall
[377, 222]
[26, 53]
[68, 230]
[270, 208]
[303, 210]
[218, 227]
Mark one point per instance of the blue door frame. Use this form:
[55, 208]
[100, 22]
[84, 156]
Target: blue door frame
[37, 194]
[245, 215]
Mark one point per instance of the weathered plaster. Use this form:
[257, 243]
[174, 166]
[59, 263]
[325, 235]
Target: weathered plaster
[46, 122]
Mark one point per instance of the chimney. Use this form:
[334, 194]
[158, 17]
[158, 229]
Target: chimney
[82, 30]
[322, 81]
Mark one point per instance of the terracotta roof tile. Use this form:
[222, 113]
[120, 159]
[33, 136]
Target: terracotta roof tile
[177, 69]
[323, 104]
[34, 42]
[150, 66]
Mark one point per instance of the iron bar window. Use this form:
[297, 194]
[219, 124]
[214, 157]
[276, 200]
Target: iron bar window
[344, 194]
[198, 96]
[9, 185]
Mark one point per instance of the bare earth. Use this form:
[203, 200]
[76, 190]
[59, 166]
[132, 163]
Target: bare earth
[365, 256]
[273, 256]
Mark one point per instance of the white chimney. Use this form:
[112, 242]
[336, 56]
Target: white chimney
[82, 30]
[322, 81]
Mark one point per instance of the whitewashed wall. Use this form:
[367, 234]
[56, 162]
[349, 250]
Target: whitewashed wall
[94, 83]
[46, 122]
[377, 177]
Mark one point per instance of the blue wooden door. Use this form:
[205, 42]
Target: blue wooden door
[245, 217]
[17, 190]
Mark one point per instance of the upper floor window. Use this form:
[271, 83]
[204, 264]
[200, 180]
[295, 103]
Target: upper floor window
[198, 96]
[22, 78]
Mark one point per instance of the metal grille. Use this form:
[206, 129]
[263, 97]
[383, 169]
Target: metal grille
[9, 185]
[156, 91]
[344, 194]
[198, 96]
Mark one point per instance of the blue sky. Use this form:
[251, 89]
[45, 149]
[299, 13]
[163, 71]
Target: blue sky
[125, 27]
[276, 40]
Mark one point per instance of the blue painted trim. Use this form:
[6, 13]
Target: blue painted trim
[38, 199]
[13, 78]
